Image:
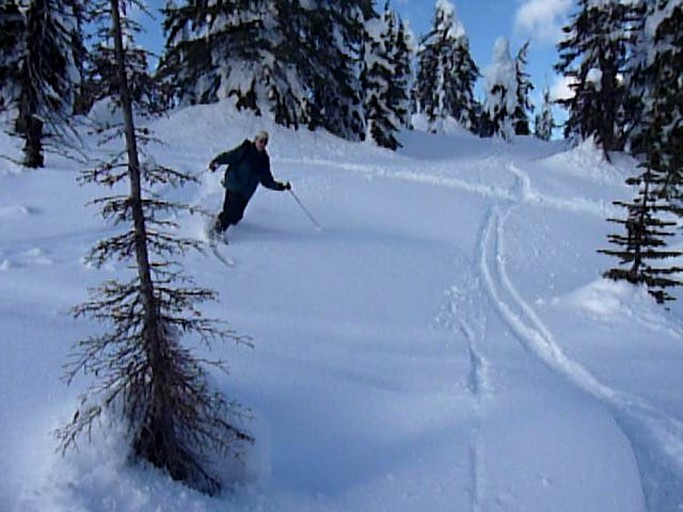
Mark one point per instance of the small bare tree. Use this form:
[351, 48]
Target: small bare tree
[160, 389]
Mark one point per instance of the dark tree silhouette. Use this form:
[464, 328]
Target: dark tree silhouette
[47, 74]
[12, 51]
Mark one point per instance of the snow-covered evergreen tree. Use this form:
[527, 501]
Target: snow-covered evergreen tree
[657, 87]
[218, 50]
[500, 89]
[402, 58]
[296, 60]
[446, 72]
[544, 121]
[49, 73]
[385, 78]
[12, 51]
[592, 56]
[524, 86]
[329, 36]
[655, 112]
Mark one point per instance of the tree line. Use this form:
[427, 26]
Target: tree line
[339, 65]
[342, 66]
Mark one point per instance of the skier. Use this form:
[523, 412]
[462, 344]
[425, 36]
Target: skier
[248, 165]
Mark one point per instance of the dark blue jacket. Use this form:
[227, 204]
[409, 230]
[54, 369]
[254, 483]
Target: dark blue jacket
[247, 167]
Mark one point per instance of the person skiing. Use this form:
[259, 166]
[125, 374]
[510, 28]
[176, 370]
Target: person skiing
[248, 165]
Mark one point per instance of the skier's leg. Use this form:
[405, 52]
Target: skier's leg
[233, 210]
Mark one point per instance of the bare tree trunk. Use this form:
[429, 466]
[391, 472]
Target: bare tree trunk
[156, 441]
[33, 149]
[29, 125]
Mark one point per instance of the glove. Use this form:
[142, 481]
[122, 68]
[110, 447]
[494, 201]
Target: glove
[213, 166]
[286, 185]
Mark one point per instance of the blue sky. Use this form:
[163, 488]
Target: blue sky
[539, 21]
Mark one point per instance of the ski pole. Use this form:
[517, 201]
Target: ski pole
[308, 214]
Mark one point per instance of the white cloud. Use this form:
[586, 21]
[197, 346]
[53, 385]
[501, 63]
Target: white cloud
[542, 19]
[560, 89]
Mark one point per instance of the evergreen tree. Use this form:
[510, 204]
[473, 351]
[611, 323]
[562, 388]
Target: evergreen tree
[402, 58]
[159, 388]
[47, 74]
[446, 72]
[385, 78]
[324, 42]
[217, 50]
[12, 51]
[297, 60]
[655, 85]
[500, 89]
[523, 105]
[100, 80]
[649, 223]
[79, 50]
[593, 55]
[99, 70]
[654, 112]
[544, 121]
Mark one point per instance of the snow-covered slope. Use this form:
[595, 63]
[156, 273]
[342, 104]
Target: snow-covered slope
[444, 343]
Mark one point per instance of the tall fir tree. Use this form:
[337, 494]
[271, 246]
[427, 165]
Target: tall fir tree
[48, 75]
[655, 85]
[544, 121]
[385, 78]
[446, 72]
[12, 51]
[654, 110]
[175, 419]
[402, 59]
[523, 107]
[324, 42]
[592, 56]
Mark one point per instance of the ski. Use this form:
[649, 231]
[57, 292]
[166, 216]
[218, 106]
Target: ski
[212, 241]
[225, 260]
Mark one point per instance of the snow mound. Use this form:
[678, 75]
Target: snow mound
[14, 211]
[587, 160]
[607, 298]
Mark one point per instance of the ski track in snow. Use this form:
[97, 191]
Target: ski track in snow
[478, 381]
[470, 327]
[31, 251]
[656, 439]
[600, 209]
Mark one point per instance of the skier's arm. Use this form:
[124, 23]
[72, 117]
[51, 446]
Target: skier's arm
[267, 180]
[228, 157]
